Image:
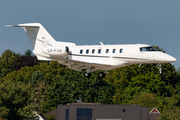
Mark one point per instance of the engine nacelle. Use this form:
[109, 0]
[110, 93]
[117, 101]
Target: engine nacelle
[56, 51]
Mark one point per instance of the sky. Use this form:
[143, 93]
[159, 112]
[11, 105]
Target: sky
[87, 22]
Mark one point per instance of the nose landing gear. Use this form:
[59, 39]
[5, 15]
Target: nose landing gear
[160, 69]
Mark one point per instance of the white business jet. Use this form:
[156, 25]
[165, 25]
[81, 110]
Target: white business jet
[90, 57]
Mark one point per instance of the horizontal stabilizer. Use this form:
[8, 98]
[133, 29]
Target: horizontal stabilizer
[21, 26]
[37, 34]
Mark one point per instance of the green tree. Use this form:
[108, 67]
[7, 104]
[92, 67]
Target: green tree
[170, 114]
[50, 117]
[170, 76]
[40, 93]
[167, 103]
[16, 100]
[37, 76]
[11, 61]
[7, 62]
[56, 84]
[24, 75]
[146, 99]
[149, 83]
[28, 53]
[28, 59]
[67, 89]
[24, 60]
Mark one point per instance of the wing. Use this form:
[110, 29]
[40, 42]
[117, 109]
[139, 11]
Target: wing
[79, 65]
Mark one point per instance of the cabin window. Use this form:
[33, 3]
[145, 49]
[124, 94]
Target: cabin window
[87, 51]
[99, 51]
[114, 50]
[93, 50]
[81, 51]
[121, 50]
[107, 50]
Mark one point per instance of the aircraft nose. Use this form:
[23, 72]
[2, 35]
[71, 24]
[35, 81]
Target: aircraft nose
[165, 58]
[171, 59]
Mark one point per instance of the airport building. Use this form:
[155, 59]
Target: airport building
[97, 111]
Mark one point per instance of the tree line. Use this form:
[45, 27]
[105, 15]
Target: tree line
[23, 78]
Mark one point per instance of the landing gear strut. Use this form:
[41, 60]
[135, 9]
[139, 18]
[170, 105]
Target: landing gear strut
[160, 69]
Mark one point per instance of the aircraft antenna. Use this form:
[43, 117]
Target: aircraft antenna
[101, 43]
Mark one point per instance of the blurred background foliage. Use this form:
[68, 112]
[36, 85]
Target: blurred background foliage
[23, 78]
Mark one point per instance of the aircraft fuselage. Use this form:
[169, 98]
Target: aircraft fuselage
[90, 57]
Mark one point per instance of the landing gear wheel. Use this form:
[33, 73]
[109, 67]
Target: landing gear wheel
[101, 75]
[160, 71]
[87, 75]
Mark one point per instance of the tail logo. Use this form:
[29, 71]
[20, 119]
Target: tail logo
[45, 42]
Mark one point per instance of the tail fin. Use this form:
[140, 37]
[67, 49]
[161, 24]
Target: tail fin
[37, 35]
[40, 38]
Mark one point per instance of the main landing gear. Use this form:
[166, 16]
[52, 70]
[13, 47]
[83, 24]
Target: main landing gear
[87, 74]
[100, 75]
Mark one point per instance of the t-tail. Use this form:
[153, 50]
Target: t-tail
[40, 39]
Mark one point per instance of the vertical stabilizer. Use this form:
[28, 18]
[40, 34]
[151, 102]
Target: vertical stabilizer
[41, 39]
[37, 35]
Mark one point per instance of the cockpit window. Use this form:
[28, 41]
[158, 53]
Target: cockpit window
[148, 49]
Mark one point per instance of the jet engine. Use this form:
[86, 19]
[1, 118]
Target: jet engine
[56, 51]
